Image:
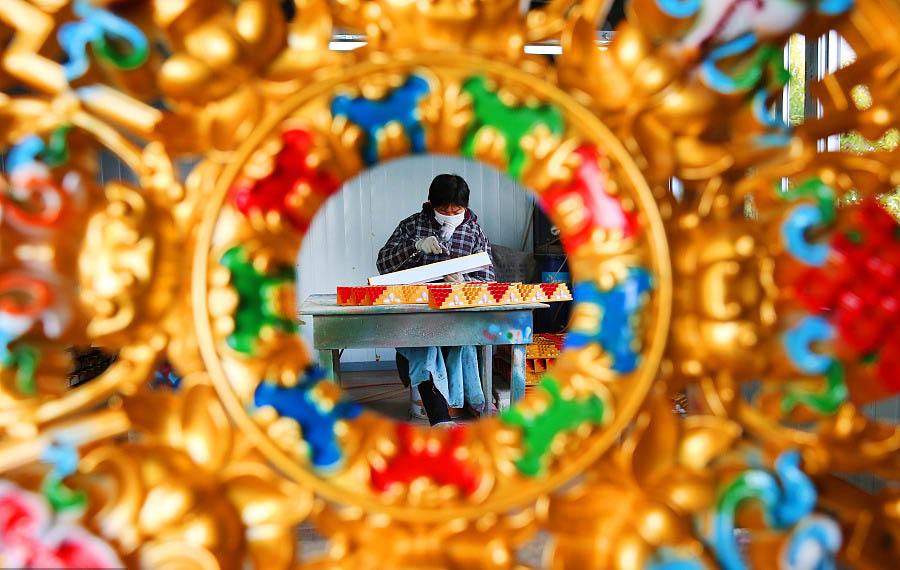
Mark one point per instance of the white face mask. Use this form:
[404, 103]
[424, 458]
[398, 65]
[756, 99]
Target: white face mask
[449, 220]
[448, 223]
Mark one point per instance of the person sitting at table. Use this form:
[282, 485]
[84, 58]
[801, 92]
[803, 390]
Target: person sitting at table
[444, 229]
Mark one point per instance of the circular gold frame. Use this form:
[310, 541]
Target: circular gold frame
[527, 491]
[682, 90]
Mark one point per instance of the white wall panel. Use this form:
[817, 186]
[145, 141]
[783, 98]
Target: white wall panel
[344, 238]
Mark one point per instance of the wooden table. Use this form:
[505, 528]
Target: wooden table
[337, 327]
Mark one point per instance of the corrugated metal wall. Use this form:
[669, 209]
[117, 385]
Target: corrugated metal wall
[344, 239]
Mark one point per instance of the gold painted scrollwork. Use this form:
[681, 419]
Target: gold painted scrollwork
[717, 257]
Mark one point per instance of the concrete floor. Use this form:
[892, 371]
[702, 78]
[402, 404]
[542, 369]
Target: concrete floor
[382, 391]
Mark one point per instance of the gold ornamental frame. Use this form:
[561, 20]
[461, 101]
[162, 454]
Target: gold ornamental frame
[545, 91]
[736, 290]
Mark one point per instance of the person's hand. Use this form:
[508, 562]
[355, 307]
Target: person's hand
[454, 278]
[429, 245]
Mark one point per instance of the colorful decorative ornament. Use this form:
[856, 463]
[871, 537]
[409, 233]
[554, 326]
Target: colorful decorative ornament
[31, 537]
[418, 458]
[511, 122]
[167, 376]
[541, 425]
[618, 309]
[230, 124]
[398, 107]
[783, 505]
[64, 461]
[311, 403]
[97, 27]
[294, 180]
[258, 308]
[587, 193]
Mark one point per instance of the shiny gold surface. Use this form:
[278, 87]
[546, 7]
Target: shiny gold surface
[208, 477]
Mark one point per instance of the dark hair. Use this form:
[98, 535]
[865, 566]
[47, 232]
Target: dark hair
[448, 189]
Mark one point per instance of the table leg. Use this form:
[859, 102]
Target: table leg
[330, 360]
[517, 373]
[487, 377]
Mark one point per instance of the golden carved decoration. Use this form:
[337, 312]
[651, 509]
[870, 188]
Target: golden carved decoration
[662, 474]
[716, 254]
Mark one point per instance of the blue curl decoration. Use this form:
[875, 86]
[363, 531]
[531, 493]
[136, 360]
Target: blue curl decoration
[834, 7]
[783, 505]
[813, 544]
[793, 232]
[798, 340]
[680, 8]
[24, 152]
[95, 23]
[716, 78]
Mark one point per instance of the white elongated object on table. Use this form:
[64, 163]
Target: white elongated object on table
[434, 271]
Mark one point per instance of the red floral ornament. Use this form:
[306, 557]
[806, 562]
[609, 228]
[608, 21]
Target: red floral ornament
[30, 538]
[416, 458]
[858, 290]
[295, 187]
[586, 204]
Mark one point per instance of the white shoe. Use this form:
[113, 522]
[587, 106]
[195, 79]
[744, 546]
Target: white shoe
[450, 424]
